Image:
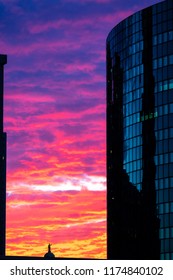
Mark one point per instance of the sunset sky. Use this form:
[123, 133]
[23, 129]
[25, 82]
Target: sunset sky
[55, 119]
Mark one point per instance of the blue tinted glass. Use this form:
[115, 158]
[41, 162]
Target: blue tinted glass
[171, 232]
[166, 172]
[165, 109]
[171, 246]
[171, 195]
[171, 156]
[170, 59]
[161, 183]
[166, 132]
[160, 196]
[162, 243]
[166, 220]
[171, 182]
[160, 62]
[171, 169]
[166, 183]
[170, 119]
[165, 124]
[166, 232]
[161, 233]
[171, 219]
[165, 85]
[165, 37]
[171, 107]
[171, 84]
[155, 40]
[165, 61]
[156, 160]
[161, 221]
[160, 159]
[167, 255]
[166, 155]
[166, 208]
[161, 210]
[165, 194]
[170, 35]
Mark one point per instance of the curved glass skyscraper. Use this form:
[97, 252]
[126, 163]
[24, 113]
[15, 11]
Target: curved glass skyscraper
[140, 135]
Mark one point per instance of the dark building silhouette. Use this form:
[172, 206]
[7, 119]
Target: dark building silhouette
[3, 61]
[49, 255]
[140, 135]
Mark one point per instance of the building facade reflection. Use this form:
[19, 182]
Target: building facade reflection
[140, 135]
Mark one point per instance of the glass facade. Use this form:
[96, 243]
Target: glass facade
[140, 135]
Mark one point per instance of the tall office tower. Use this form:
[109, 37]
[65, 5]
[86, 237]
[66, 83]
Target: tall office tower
[3, 60]
[140, 135]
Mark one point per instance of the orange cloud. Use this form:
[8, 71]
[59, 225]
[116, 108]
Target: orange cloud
[77, 231]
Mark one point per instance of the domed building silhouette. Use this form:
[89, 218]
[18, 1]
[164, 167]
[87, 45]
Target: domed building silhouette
[49, 255]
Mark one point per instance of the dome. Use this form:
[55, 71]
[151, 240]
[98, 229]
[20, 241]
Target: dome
[49, 255]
